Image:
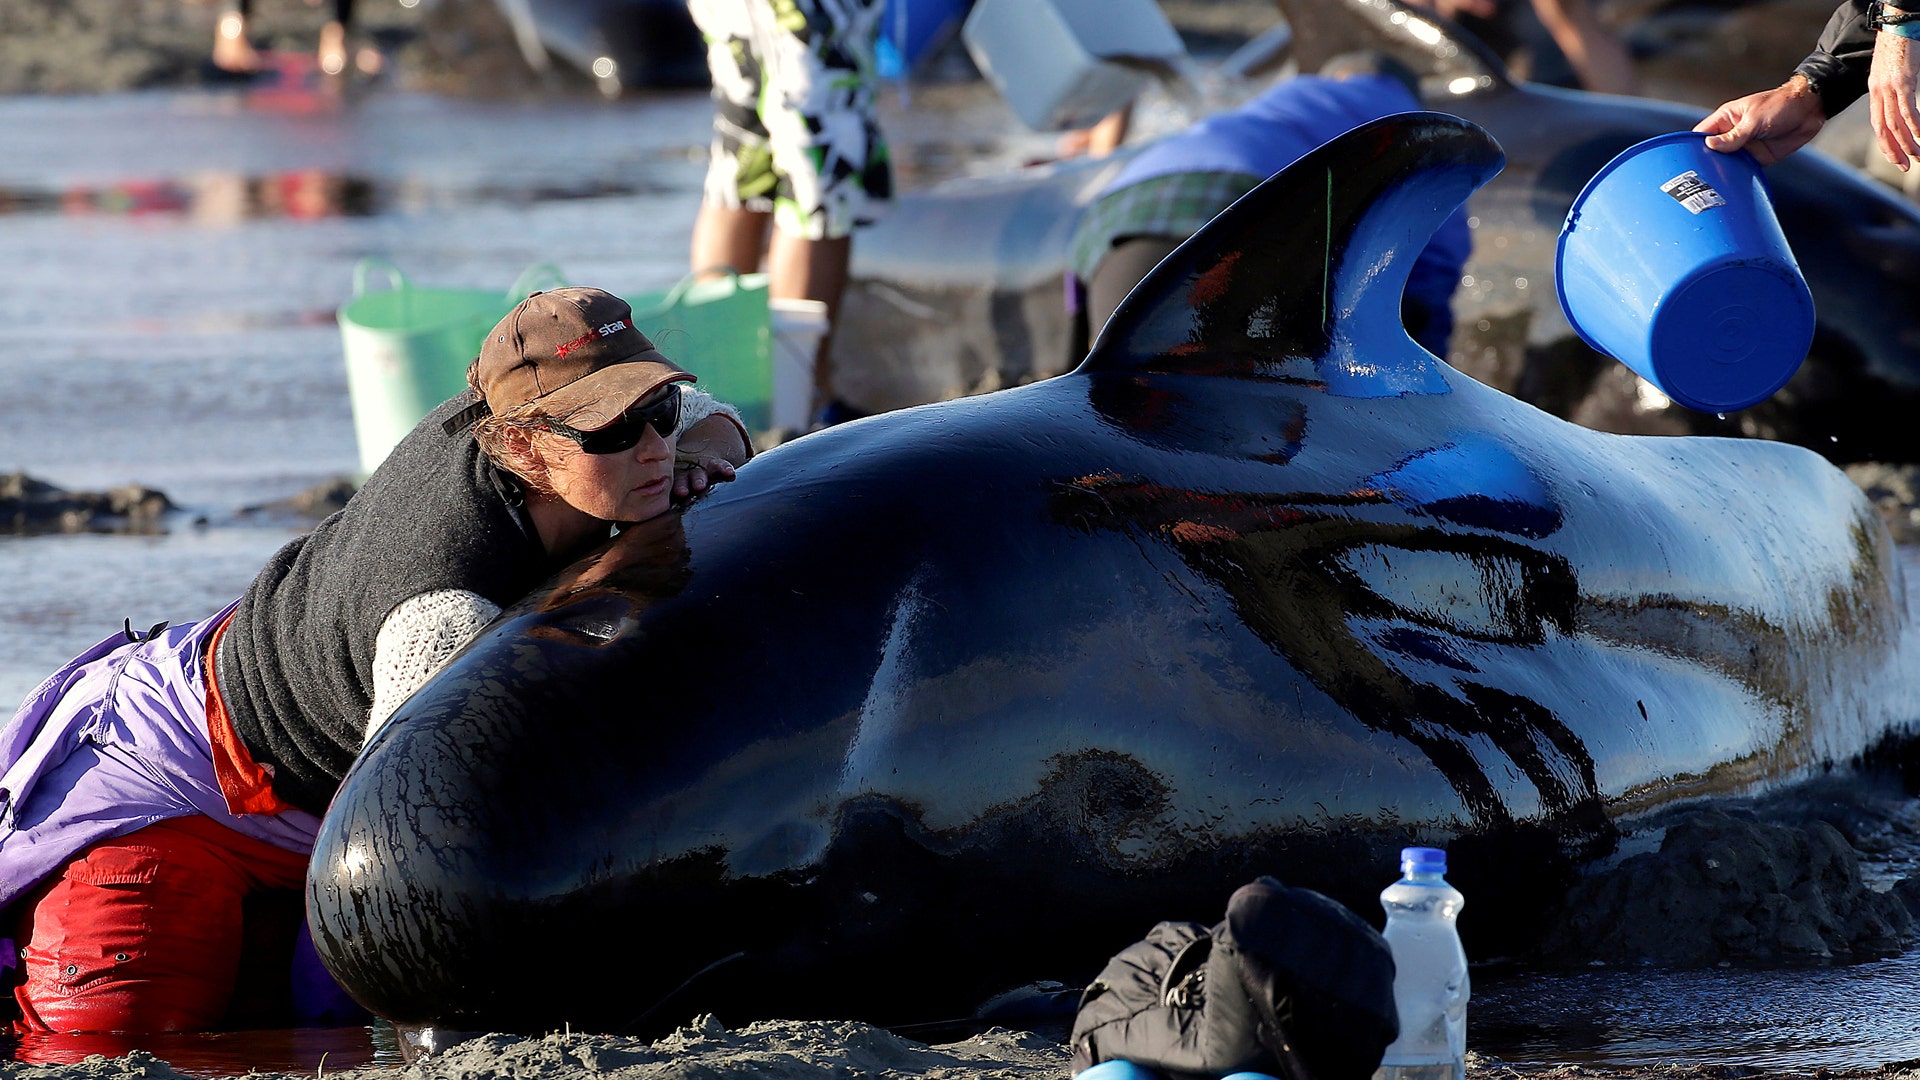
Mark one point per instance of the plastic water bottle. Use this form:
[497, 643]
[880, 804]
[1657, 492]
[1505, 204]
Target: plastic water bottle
[1430, 971]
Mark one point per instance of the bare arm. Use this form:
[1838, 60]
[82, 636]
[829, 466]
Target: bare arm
[1596, 52]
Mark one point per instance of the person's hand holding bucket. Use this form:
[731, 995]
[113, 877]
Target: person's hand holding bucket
[1672, 262]
[1770, 124]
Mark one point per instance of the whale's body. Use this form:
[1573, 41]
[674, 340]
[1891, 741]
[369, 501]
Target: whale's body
[933, 705]
[959, 288]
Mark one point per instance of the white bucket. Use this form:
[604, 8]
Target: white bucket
[798, 326]
[1067, 63]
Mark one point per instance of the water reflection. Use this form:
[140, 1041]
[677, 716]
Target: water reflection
[223, 1053]
[213, 198]
[1857, 1016]
[218, 199]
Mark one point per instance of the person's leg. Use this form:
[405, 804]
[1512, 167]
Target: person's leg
[145, 932]
[736, 204]
[729, 236]
[231, 49]
[831, 163]
[366, 59]
[333, 48]
[801, 269]
[1126, 263]
[1596, 53]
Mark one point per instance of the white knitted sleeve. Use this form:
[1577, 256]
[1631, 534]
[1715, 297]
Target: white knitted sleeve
[420, 634]
[696, 405]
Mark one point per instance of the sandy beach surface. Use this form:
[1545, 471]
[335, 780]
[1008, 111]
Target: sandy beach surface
[704, 1050]
[793, 1050]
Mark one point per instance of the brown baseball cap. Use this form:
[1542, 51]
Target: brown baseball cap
[576, 351]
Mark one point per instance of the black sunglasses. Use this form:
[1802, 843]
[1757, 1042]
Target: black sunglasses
[662, 415]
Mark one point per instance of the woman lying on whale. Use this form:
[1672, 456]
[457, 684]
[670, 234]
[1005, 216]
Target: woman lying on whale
[162, 782]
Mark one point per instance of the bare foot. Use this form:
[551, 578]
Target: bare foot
[333, 48]
[369, 60]
[231, 49]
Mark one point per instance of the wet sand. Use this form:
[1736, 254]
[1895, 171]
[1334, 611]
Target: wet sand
[793, 1050]
[1612, 1015]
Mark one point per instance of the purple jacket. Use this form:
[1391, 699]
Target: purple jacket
[113, 742]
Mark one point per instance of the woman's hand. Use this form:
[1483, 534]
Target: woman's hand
[1891, 84]
[1770, 124]
[707, 454]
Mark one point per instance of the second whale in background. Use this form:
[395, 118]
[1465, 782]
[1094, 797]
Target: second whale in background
[959, 288]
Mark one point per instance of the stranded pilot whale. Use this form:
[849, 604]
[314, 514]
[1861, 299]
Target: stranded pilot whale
[943, 702]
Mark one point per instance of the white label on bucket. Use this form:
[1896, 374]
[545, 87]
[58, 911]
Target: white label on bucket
[1692, 192]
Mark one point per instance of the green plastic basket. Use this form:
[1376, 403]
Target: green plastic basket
[717, 328]
[407, 348]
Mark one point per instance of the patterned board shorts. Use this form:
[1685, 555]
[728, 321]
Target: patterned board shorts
[794, 128]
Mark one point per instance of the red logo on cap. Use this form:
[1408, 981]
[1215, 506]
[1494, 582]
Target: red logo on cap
[591, 336]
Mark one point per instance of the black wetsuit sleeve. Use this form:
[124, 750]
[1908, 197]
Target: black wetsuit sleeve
[1839, 64]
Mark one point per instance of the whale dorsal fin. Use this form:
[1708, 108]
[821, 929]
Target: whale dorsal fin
[1446, 57]
[1310, 265]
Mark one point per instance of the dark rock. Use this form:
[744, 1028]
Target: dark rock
[30, 506]
[1894, 490]
[1874, 818]
[1731, 889]
[1908, 890]
[322, 499]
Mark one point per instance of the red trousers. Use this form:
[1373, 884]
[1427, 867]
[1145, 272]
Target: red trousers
[184, 925]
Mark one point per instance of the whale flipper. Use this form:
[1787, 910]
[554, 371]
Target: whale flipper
[1310, 265]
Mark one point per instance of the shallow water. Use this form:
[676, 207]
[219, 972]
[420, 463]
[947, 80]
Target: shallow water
[170, 265]
[1856, 1016]
[168, 276]
[169, 268]
[226, 1053]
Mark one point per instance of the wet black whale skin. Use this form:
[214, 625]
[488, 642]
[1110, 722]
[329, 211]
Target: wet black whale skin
[939, 703]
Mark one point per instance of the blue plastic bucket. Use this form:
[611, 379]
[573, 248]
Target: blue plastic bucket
[1672, 262]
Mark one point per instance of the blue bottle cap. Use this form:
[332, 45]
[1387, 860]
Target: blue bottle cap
[1423, 860]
